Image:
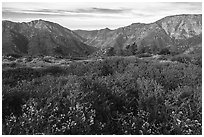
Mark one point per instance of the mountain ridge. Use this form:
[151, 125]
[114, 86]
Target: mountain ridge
[177, 33]
[168, 32]
[41, 37]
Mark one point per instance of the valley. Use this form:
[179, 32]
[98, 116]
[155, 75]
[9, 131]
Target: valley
[141, 79]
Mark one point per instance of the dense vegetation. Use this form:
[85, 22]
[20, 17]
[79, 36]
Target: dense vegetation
[119, 95]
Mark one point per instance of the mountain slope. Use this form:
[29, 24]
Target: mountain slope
[95, 38]
[184, 30]
[177, 33]
[41, 37]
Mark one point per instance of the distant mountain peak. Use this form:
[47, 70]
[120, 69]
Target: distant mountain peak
[42, 37]
[38, 21]
[40, 24]
[107, 29]
[179, 31]
[136, 24]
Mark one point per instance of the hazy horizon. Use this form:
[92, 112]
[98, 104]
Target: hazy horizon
[89, 16]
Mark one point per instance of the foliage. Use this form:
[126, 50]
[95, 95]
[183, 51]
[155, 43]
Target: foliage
[189, 59]
[14, 55]
[118, 95]
[142, 55]
[164, 51]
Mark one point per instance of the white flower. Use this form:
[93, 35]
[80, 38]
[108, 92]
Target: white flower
[179, 121]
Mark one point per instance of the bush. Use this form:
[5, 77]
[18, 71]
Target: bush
[115, 96]
[142, 55]
[15, 75]
[182, 59]
[14, 55]
[163, 57]
[164, 51]
[53, 70]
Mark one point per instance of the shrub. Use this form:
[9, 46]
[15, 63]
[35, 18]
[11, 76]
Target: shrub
[53, 70]
[182, 58]
[14, 55]
[115, 96]
[164, 51]
[163, 57]
[15, 75]
[142, 55]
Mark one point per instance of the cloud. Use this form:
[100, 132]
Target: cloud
[188, 6]
[13, 14]
[184, 4]
[65, 14]
[31, 14]
[144, 15]
[41, 10]
[139, 9]
[92, 10]
[103, 10]
[155, 10]
[8, 12]
[98, 14]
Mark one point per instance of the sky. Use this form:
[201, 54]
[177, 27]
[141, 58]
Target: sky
[92, 15]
